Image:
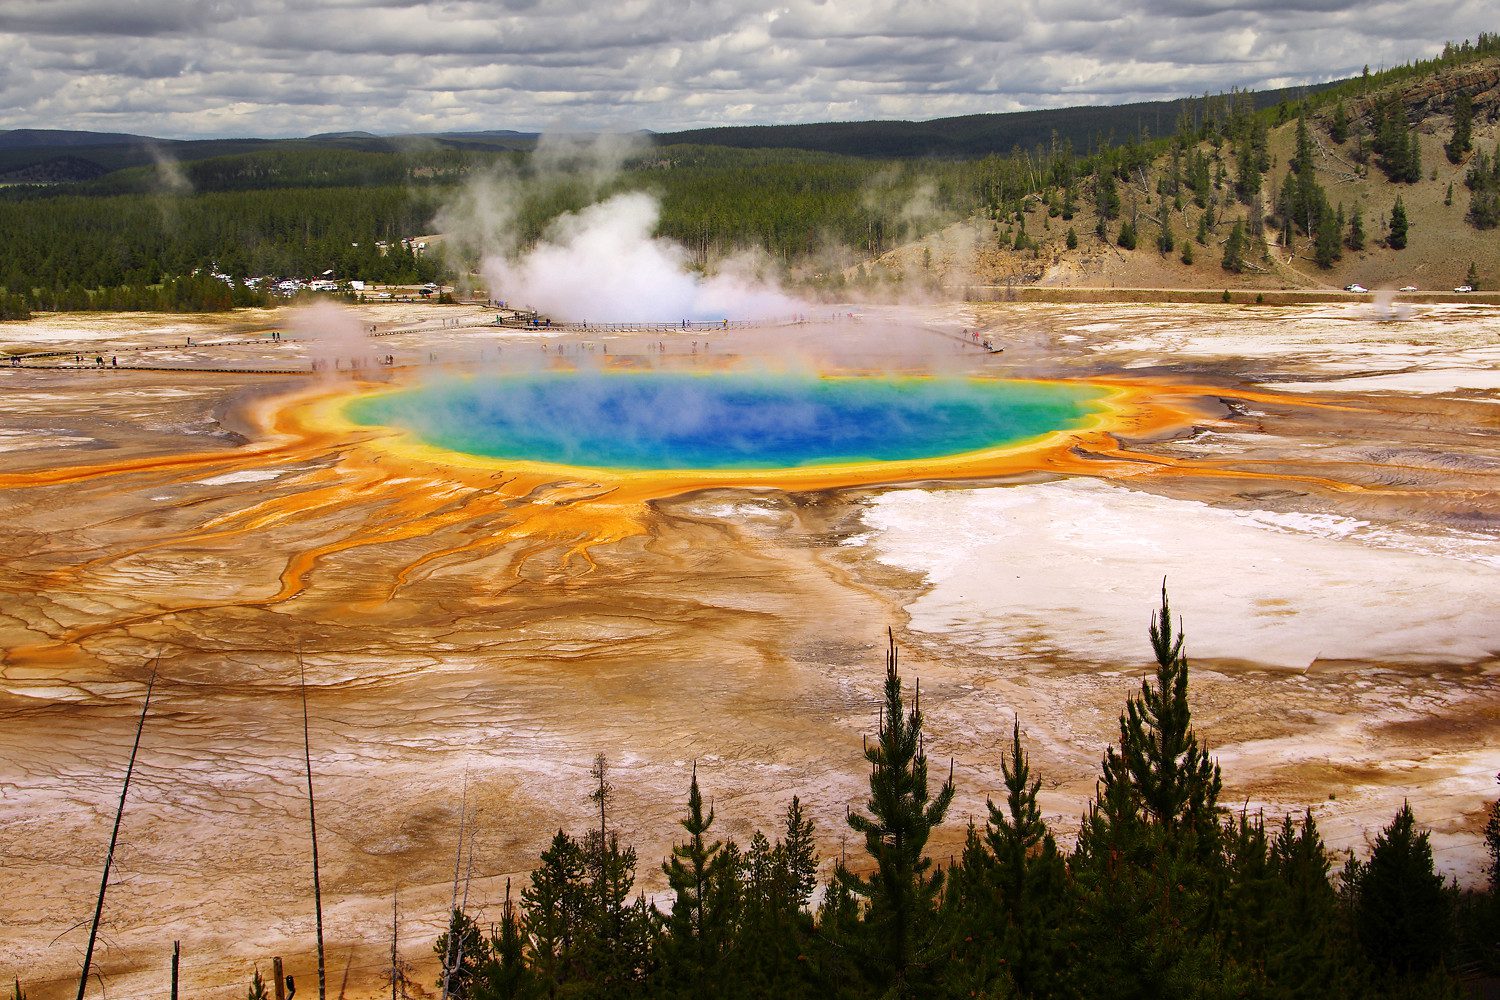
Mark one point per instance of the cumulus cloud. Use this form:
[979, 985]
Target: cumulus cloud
[279, 67]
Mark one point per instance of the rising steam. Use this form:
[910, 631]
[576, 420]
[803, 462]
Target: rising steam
[603, 263]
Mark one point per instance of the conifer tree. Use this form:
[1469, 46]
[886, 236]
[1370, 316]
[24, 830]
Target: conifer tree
[968, 914]
[1234, 249]
[798, 856]
[1029, 875]
[775, 950]
[1126, 239]
[1302, 159]
[1247, 179]
[614, 935]
[1158, 757]
[1106, 195]
[1356, 229]
[557, 905]
[506, 973]
[697, 873]
[839, 930]
[903, 891]
[1463, 128]
[1250, 894]
[1187, 251]
[1146, 862]
[1286, 199]
[1472, 277]
[1303, 957]
[1396, 142]
[1327, 249]
[1338, 125]
[1165, 241]
[1396, 238]
[1402, 913]
[461, 963]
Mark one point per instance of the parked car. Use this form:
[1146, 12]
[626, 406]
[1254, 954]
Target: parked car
[1464, 288]
[1356, 287]
[1407, 288]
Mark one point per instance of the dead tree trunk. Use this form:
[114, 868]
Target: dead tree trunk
[312, 819]
[109, 857]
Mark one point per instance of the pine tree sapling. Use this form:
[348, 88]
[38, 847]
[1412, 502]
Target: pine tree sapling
[902, 893]
[1029, 873]
[1158, 757]
[698, 928]
[506, 973]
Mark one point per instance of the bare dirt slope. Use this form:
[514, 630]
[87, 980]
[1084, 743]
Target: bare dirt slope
[1441, 243]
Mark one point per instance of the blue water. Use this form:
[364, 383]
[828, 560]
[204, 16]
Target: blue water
[723, 421]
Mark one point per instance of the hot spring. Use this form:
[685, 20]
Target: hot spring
[638, 421]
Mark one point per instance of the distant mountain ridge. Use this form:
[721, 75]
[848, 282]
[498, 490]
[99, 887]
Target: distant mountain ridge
[957, 137]
[975, 135]
[51, 138]
[22, 149]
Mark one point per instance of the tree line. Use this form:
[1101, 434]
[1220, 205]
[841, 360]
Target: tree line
[1165, 892]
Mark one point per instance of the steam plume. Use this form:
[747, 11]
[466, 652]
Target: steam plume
[602, 263]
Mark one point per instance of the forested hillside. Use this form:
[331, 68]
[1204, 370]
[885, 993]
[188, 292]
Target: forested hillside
[1388, 180]
[301, 213]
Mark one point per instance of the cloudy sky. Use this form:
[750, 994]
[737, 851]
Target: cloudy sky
[277, 67]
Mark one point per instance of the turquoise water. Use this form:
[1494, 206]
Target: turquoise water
[644, 421]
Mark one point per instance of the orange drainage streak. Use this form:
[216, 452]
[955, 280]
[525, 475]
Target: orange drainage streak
[262, 414]
[78, 473]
